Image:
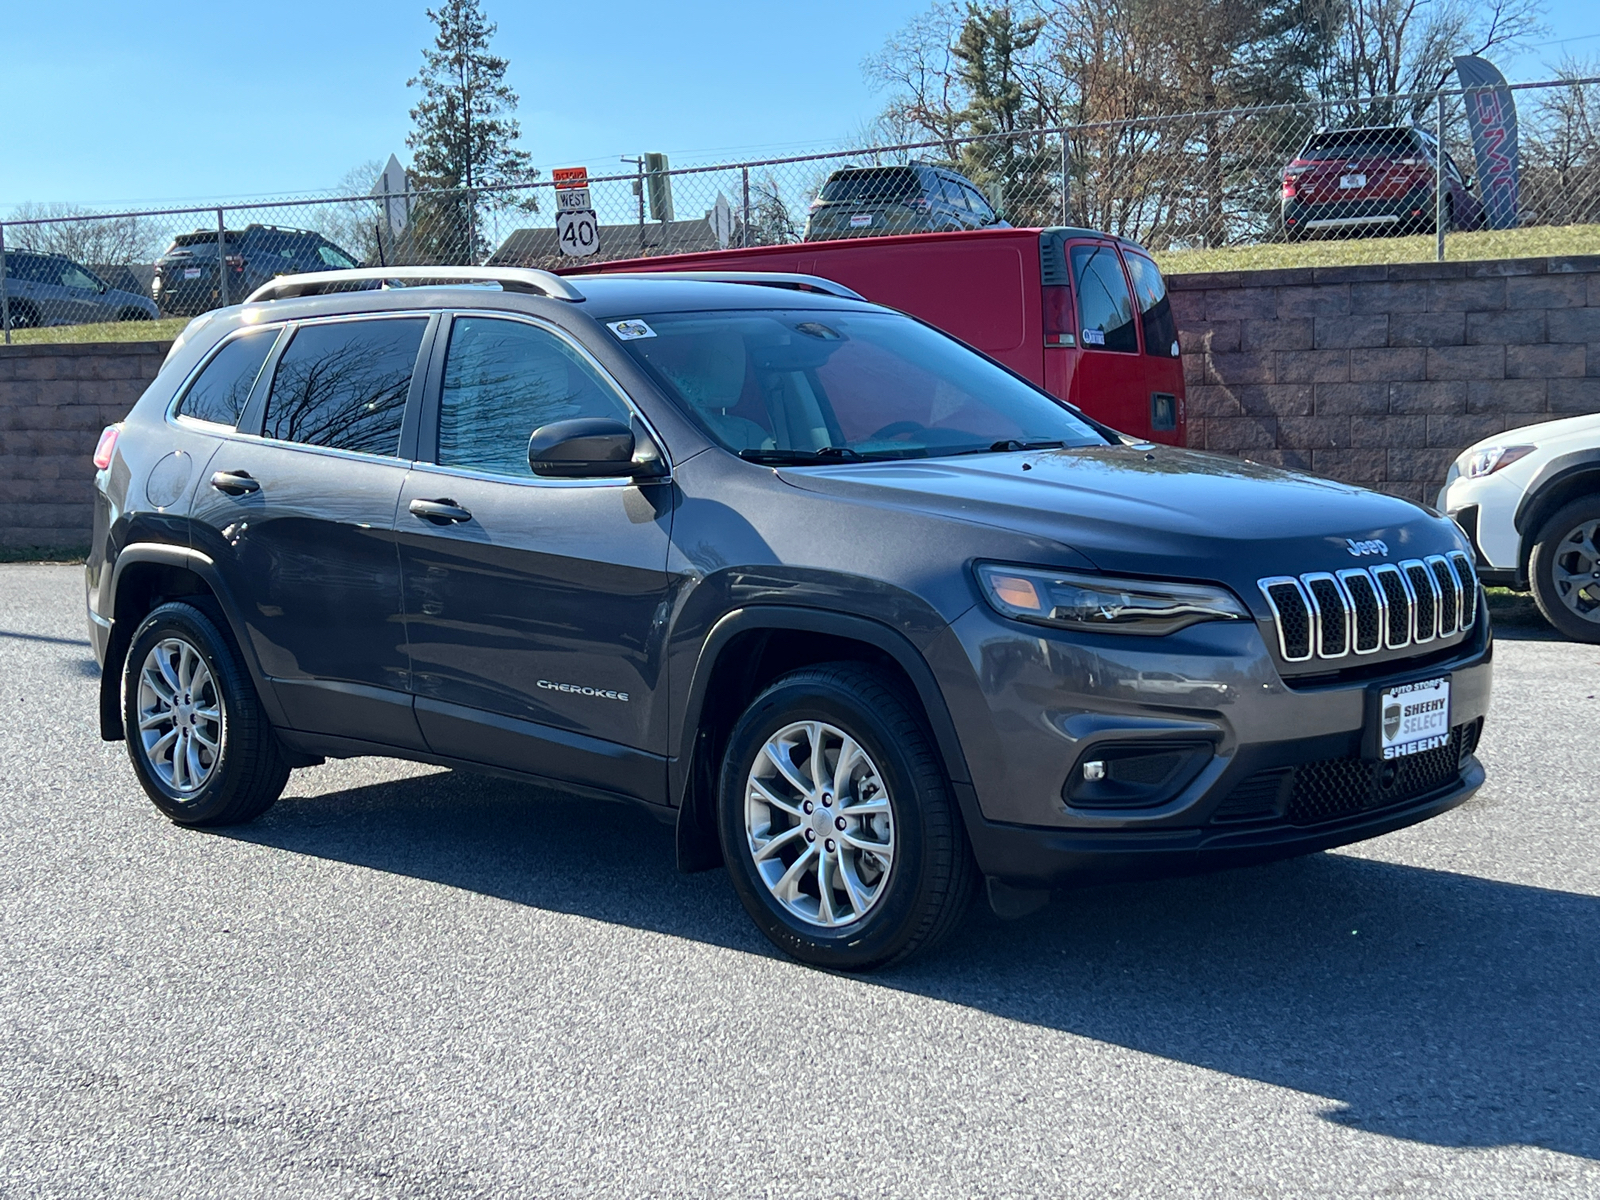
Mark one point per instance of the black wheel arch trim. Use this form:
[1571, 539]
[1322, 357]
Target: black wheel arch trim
[809, 620]
[1545, 494]
[1535, 504]
[185, 558]
[698, 847]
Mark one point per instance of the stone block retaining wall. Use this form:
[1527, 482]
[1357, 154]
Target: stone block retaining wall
[1381, 375]
[54, 401]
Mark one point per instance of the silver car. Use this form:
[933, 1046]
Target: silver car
[51, 289]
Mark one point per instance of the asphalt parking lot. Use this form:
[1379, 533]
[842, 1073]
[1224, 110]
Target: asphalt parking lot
[407, 982]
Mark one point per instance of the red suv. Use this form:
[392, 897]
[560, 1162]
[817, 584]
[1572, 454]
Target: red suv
[1083, 314]
[1379, 177]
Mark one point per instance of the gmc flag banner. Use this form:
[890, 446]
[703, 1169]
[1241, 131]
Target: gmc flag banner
[1492, 117]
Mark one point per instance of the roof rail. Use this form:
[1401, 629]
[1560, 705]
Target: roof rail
[511, 279]
[779, 279]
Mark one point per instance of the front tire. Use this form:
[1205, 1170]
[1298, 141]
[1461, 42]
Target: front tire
[200, 744]
[1565, 570]
[841, 835]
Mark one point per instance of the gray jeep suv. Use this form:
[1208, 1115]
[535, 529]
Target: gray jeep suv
[872, 620]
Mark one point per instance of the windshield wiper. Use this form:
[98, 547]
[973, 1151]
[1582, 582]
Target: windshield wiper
[798, 458]
[1011, 445]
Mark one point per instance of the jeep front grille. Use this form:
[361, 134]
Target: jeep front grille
[1330, 615]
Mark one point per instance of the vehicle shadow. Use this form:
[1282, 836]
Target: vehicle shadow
[1425, 1005]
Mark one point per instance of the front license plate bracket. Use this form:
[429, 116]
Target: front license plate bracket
[1408, 718]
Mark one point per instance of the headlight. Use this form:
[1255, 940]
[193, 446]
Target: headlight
[1068, 600]
[1477, 463]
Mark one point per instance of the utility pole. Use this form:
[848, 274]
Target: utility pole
[638, 190]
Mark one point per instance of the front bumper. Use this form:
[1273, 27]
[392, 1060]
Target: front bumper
[1285, 768]
[1036, 858]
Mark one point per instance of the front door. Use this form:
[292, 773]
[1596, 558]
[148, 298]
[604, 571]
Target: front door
[533, 607]
[300, 522]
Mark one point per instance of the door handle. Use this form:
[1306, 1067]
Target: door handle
[234, 483]
[440, 512]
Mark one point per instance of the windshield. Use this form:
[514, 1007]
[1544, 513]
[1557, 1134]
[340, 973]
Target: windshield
[793, 386]
[872, 183]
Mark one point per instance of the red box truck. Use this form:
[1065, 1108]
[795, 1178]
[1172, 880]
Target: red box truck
[1083, 314]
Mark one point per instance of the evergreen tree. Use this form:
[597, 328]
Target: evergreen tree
[463, 136]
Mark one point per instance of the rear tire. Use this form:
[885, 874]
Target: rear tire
[864, 866]
[1564, 570]
[203, 750]
[23, 314]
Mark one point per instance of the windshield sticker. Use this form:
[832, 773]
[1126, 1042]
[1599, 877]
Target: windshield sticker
[1094, 337]
[627, 331]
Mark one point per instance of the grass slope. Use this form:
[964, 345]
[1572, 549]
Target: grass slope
[1543, 241]
[112, 331]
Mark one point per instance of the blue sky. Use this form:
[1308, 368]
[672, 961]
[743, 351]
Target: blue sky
[111, 101]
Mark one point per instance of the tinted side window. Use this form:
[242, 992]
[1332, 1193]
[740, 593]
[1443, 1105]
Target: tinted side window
[219, 392]
[343, 384]
[1105, 309]
[980, 205]
[1155, 309]
[503, 380]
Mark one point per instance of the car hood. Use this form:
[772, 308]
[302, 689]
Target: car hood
[1154, 511]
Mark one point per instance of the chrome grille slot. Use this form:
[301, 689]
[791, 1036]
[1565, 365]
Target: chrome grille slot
[1469, 588]
[1444, 575]
[1397, 601]
[1366, 598]
[1331, 610]
[1425, 590]
[1291, 612]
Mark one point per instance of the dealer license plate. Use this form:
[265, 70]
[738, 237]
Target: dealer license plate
[860, 219]
[191, 272]
[1352, 181]
[1413, 717]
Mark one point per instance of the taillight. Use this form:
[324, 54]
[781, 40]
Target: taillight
[235, 261]
[1059, 328]
[106, 447]
[1288, 189]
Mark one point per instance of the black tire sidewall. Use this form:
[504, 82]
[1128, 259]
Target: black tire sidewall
[1541, 575]
[897, 917]
[217, 796]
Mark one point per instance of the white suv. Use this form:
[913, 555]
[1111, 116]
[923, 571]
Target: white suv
[1529, 499]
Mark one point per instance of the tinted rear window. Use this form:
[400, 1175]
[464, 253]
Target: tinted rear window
[1105, 308]
[219, 392]
[343, 384]
[873, 184]
[1361, 143]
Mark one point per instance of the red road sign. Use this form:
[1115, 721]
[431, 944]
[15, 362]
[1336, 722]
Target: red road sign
[570, 177]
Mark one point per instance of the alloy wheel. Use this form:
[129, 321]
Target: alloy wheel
[180, 716]
[1575, 570]
[818, 823]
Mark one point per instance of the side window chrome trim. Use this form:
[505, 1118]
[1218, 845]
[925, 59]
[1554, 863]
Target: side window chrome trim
[590, 360]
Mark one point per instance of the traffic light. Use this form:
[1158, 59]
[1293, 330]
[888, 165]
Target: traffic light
[659, 184]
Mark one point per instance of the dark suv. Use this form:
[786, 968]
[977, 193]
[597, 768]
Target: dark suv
[869, 617]
[916, 198]
[187, 281]
[1373, 179]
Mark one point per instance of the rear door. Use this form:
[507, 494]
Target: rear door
[1158, 331]
[534, 607]
[298, 514]
[1109, 383]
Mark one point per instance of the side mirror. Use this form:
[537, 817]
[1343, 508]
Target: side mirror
[589, 448]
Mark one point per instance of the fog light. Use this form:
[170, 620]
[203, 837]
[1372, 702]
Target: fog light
[1135, 774]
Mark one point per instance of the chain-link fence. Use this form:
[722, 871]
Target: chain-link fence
[1207, 181]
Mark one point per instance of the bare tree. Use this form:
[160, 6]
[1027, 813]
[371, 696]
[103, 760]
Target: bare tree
[1387, 47]
[103, 241]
